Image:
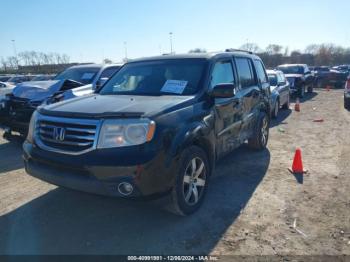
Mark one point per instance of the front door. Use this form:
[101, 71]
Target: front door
[228, 111]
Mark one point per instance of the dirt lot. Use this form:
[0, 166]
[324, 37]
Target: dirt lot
[251, 208]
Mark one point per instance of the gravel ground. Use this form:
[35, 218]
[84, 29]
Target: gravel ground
[254, 206]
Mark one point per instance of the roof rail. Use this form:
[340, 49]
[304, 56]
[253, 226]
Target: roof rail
[238, 50]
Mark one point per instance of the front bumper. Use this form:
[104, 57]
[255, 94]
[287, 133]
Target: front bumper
[15, 117]
[102, 171]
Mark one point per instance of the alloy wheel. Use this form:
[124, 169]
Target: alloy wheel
[264, 131]
[194, 181]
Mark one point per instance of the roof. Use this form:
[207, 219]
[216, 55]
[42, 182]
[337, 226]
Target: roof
[285, 65]
[273, 71]
[206, 56]
[98, 66]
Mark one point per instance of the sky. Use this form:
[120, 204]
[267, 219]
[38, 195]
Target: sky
[89, 31]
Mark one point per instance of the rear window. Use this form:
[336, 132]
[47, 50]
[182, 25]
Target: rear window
[291, 69]
[84, 75]
[273, 79]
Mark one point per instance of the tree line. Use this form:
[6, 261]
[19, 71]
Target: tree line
[33, 61]
[315, 54]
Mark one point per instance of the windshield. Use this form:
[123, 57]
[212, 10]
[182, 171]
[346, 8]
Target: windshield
[272, 79]
[291, 69]
[164, 77]
[40, 78]
[84, 75]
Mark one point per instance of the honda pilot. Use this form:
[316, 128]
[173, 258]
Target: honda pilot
[156, 128]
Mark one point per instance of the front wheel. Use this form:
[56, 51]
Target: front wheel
[347, 103]
[191, 181]
[261, 134]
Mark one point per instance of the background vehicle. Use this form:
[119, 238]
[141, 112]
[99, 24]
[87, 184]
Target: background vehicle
[325, 76]
[18, 79]
[299, 77]
[280, 91]
[5, 88]
[163, 123]
[43, 77]
[5, 78]
[342, 68]
[26, 97]
[347, 94]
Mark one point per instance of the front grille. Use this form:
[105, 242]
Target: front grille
[66, 135]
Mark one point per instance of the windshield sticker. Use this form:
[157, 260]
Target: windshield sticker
[174, 86]
[87, 76]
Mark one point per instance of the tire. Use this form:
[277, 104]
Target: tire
[191, 182]
[261, 133]
[287, 104]
[274, 114]
[319, 83]
[302, 91]
[347, 103]
[310, 89]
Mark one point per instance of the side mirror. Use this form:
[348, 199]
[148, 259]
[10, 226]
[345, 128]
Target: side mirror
[101, 82]
[223, 91]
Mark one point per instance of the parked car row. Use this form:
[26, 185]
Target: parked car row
[325, 76]
[17, 107]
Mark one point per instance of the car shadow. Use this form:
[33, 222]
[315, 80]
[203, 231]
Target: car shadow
[69, 222]
[307, 97]
[11, 155]
[283, 114]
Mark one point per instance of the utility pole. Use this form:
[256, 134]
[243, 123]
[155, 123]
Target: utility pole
[15, 51]
[126, 50]
[171, 42]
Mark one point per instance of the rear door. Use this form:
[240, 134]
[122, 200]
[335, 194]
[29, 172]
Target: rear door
[228, 111]
[251, 92]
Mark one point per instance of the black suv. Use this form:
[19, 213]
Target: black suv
[156, 127]
[299, 77]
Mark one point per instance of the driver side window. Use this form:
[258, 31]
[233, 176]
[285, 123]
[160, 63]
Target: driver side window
[222, 74]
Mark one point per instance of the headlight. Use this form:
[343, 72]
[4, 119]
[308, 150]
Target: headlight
[125, 132]
[31, 129]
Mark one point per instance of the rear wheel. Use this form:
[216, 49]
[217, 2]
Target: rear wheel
[276, 109]
[347, 103]
[261, 134]
[287, 104]
[302, 91]
[191, 181]
[319, 83]
[310, 89]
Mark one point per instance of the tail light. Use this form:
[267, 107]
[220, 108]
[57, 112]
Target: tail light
[347, 85]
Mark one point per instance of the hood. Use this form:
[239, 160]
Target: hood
[79, 91]
[37, 90]
[116, 105]
[294, 75]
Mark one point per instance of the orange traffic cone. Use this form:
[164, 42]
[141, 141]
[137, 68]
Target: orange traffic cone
[297, 105]
[297, 167]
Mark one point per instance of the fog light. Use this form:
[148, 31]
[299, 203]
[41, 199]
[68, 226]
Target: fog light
[125, 188]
